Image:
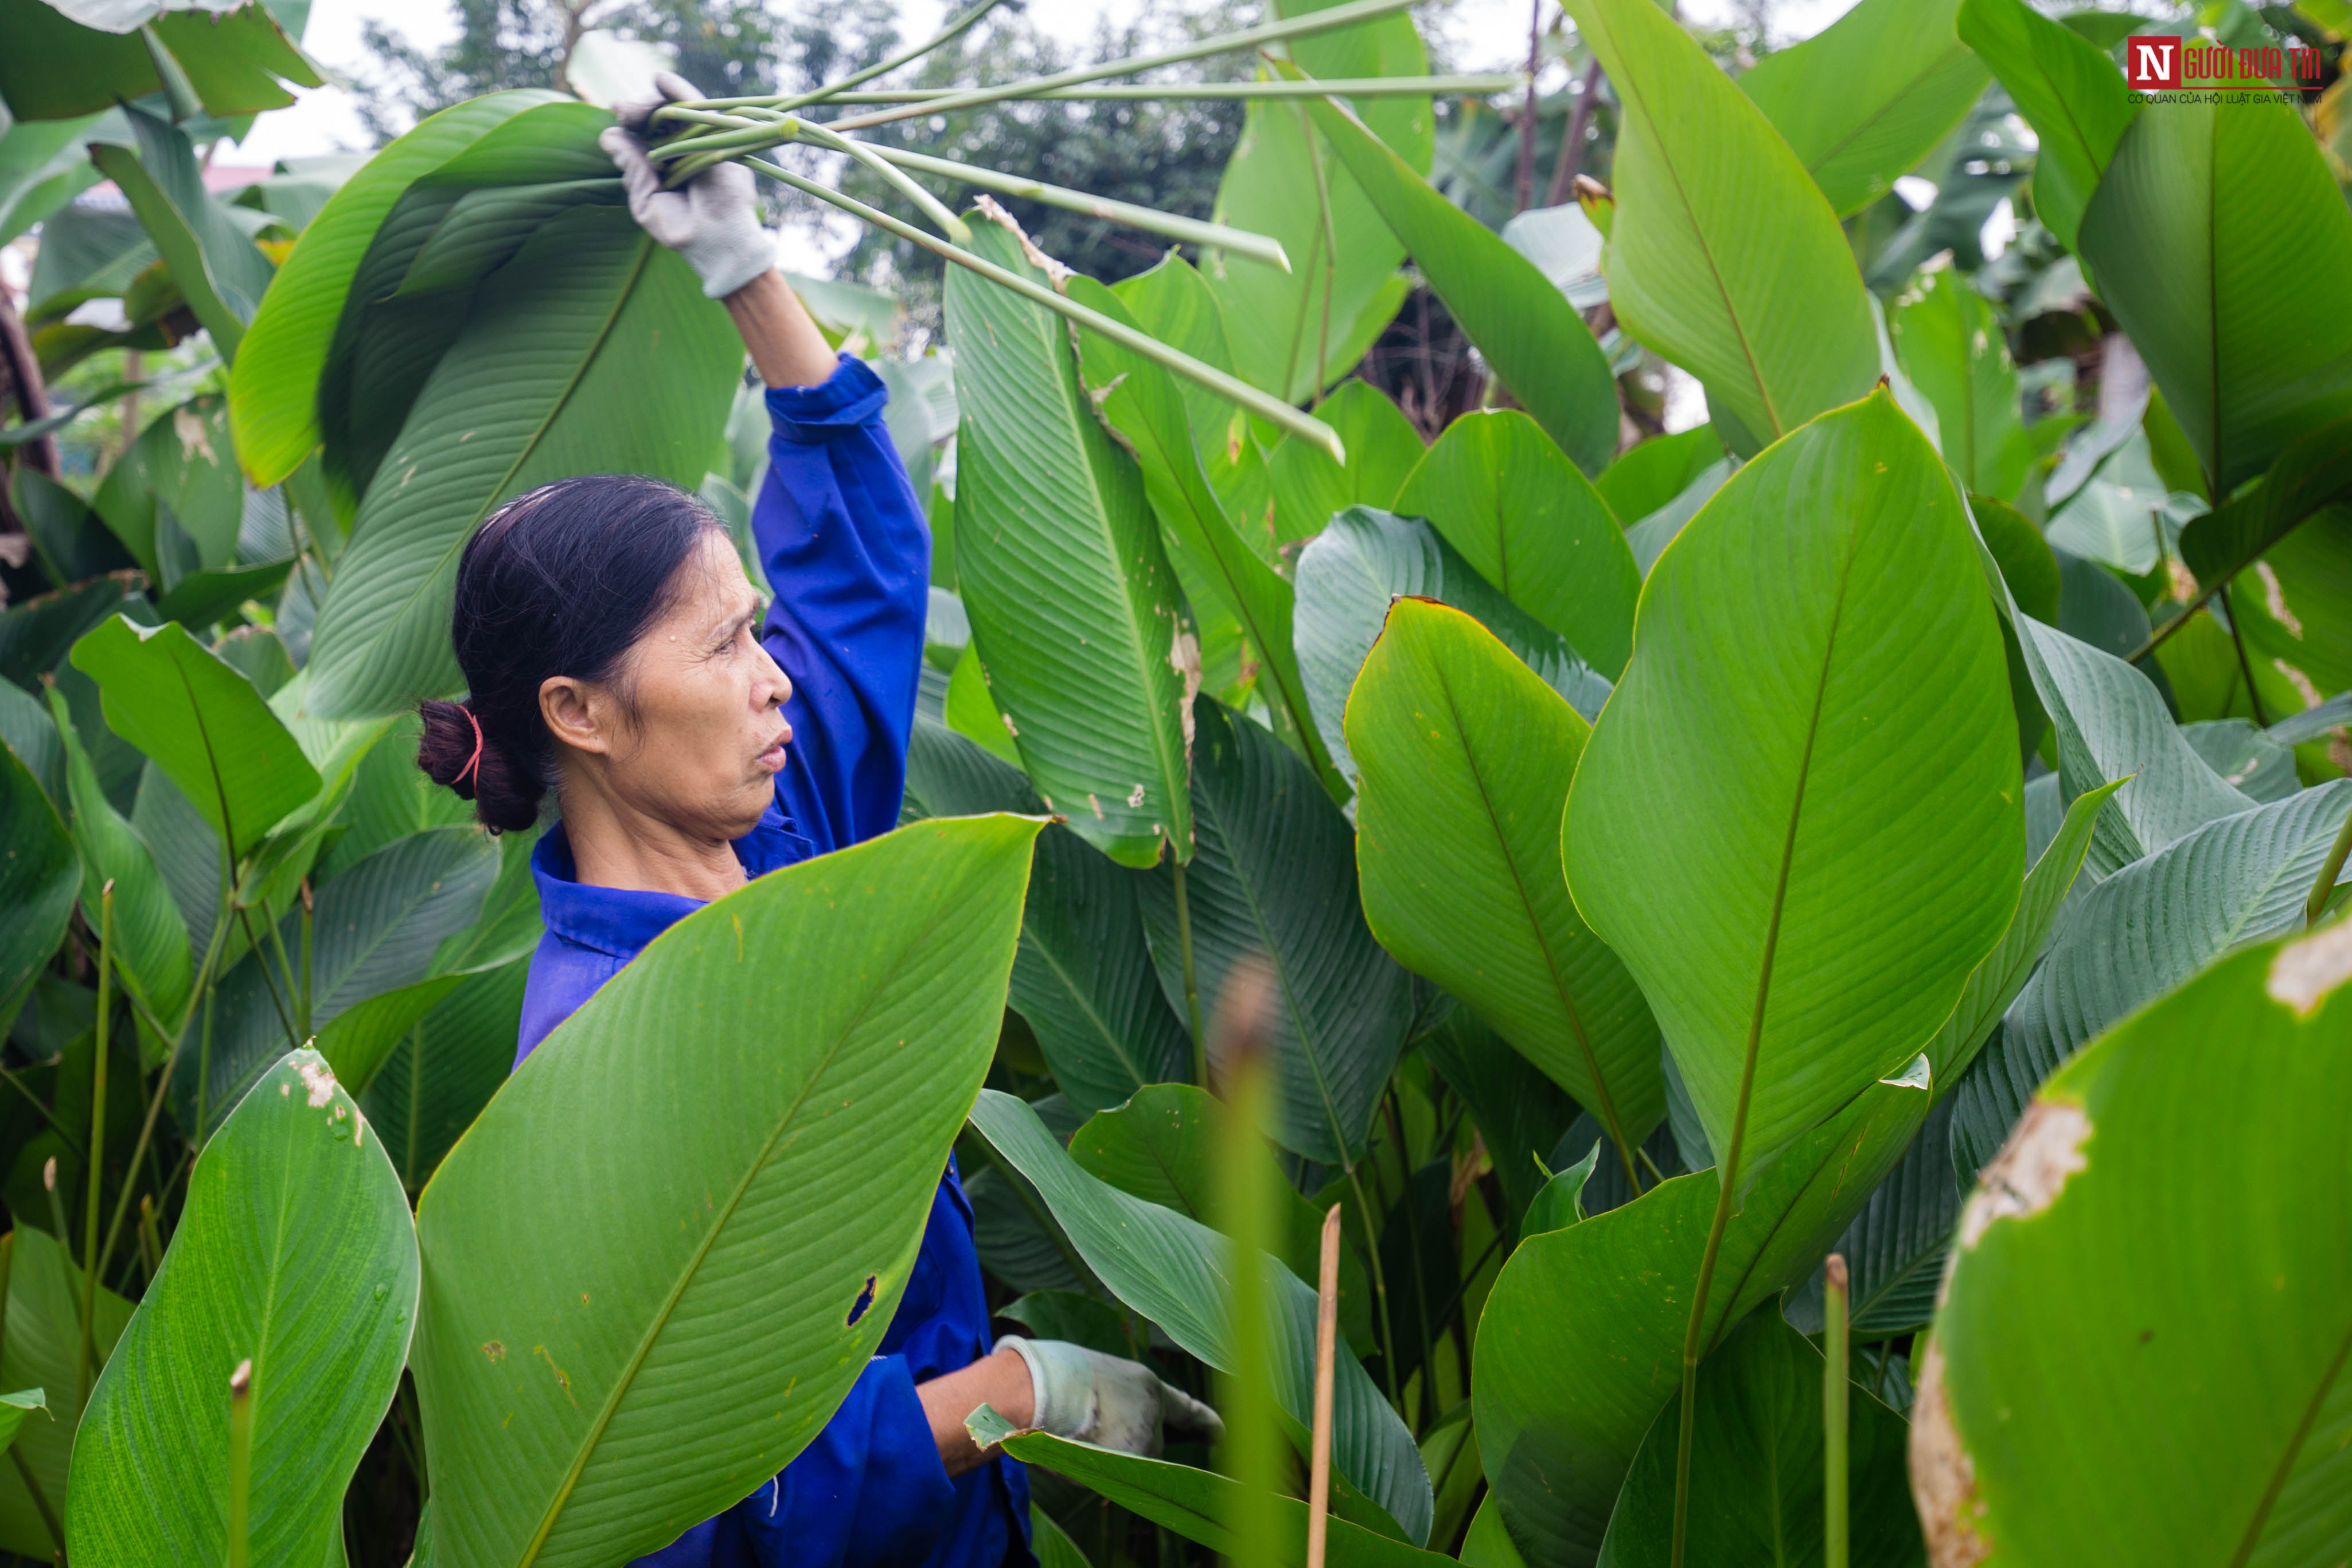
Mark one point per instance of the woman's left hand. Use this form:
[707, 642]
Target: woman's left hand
[1105, 1400]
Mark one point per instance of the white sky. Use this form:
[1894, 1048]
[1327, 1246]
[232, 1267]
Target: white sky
[1484, 34]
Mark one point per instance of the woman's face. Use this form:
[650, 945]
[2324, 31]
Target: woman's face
[701, 750]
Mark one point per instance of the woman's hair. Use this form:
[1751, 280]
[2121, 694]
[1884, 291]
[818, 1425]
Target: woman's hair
[562, 581]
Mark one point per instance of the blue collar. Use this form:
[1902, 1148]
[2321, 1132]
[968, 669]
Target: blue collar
[621, 920]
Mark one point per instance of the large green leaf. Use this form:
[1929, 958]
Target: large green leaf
[1074, 608]
[2067, 89]
[1311, 487]
[374, 931]
[1466, 759]
[1178, 1273]
[1956, 354]
[1141, 400]
[438, 1077]
[1724, 256]
[2112, 723]
[1896, 1246]
[1563, 1397]
[2188, 1404]
[220, 271]
[202, 723]
[44, 1349]
[295, 1250]
[273, 393]
[1800, 926]
[1349, 575]
[1528, 523]
[1867, 99]
[1338, 296]
[2213, 225]
[1529, 334]
[181, 464]
[625, 1335]
[39, 875]
[1083, 978]
[151, 940]
[232, 58]
[1657, 471]
[1993, 985]
[1199, 1505]
[445, 236]
[592, 352]
[1273, 880]
[2313, 472]
[1755, 1467]
[2142, 931]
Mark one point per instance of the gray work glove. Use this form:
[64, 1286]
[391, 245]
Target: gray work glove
[712, 220]
[1091, 1397]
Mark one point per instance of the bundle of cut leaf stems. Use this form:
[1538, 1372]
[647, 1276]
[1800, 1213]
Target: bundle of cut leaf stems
[693, 135]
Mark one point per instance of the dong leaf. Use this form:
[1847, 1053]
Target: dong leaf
[1311, 487]
[1284, 181]
[593, 350]
[1526, 521]
[2313, 472]
[231, 57]
[1756, 1470]
[1799, 930]
[1141, 401]
[1564, 1399]
[273, 393]
[220, 271]
[2212, 227]
[2188, 1403]
[1867, 97]
[1351, 572]
[373, 933]
[1074, 608]
[1178, 1273]
[2067, 89]
[2142, 931]
[43, 1351]
[1896, 1246]
[295, 1250]
[1083, 978]
[202, 723]
[1465, 758]
[1198, 1505]
[1724, 256]
[440, 1075]
[39, 875]
[765, 1161]
[1525, 327]
[1273, 880]
[2112, 723]
[1956, 354]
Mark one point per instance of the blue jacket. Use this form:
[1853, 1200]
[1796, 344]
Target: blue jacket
[847, 550]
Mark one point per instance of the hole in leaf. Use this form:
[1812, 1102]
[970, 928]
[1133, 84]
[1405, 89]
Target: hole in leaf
[865, 1300]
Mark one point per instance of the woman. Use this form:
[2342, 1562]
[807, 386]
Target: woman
[617, 653]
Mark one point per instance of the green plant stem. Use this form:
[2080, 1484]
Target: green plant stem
[285, 1018]
[2325, 888]
[2245, 664]
[1835, 1409]
[71, 1140]
[240, 1460]
[932, 207]
[1190, 231]
[1192, 983]
[1474, 86]
[303, 991]
[1264, 405]
[57, 1207]
[286, 972]
[954, 28]
[1379, 1289]
[201, 991]
[1247, 39]
[96, 1164]
[57, 1531]
[1330, 254]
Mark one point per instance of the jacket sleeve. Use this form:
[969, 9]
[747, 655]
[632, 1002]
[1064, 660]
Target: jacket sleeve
[848, 556]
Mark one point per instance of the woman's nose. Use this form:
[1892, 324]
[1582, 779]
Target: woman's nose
[776, 685]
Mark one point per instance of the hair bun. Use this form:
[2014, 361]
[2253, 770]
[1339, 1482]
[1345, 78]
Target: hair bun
[455, 754]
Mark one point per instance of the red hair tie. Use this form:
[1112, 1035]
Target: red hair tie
[473, 763]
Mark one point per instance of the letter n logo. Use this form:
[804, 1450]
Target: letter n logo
[2152, 64]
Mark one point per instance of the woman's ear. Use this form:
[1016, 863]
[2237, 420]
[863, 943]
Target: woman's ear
[578, 714]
